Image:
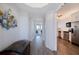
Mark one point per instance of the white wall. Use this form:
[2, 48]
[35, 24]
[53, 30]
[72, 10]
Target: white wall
[24, 26]
[7, 37]
[62, 24]
[51, 31]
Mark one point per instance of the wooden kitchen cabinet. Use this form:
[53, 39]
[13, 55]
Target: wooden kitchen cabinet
[66, 35]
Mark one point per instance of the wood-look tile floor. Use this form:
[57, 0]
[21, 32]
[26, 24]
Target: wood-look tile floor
[63, 48]
[66, 48]
[38, 48]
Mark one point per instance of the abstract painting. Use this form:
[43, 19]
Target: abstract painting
[8, 20]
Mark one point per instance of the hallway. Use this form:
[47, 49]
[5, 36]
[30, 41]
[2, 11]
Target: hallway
[38, 47]
[66, 48]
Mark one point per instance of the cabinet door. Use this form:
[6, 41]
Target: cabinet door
[59, 34]
[66, 35]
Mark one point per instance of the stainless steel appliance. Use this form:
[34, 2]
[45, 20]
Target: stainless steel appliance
[75, 33]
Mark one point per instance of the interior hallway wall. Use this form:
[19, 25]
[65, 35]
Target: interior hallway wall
[20, 32]
[51, 31]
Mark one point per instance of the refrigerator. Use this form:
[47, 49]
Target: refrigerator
[75, 32]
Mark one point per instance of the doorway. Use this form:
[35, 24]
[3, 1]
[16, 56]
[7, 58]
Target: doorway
[38, 30]
[37, 43]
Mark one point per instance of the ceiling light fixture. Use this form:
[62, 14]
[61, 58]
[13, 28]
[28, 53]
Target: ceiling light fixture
[37, 5]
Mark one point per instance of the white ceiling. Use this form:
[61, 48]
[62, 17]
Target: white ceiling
[68, 9]
[38, 12]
